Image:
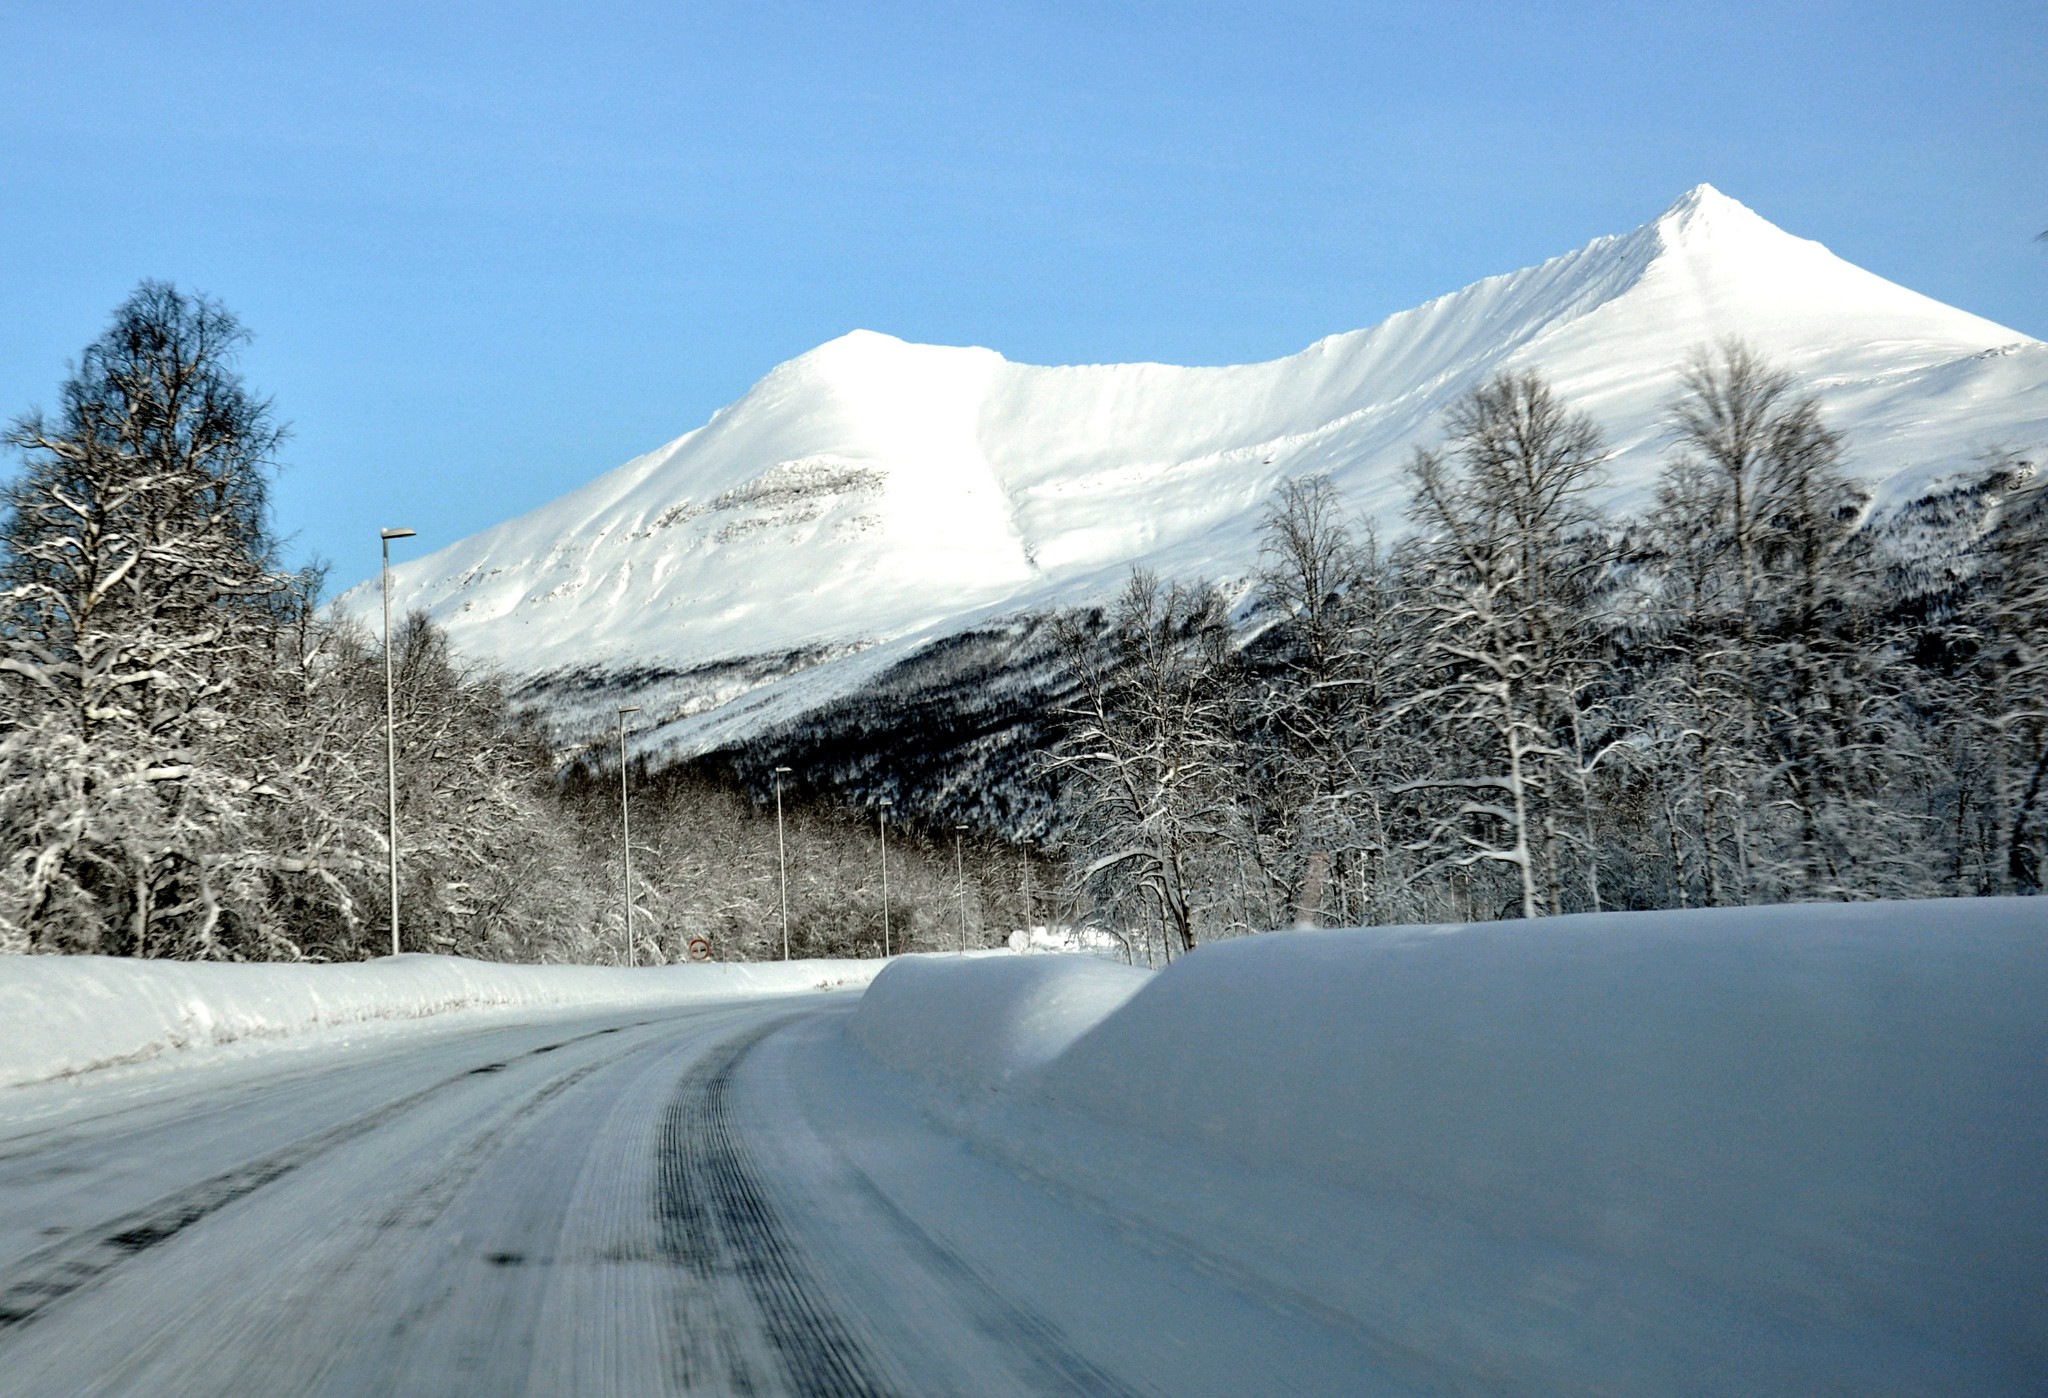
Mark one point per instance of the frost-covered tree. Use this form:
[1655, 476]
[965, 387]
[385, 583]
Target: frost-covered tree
[1505, 553]
[2008, 675]
[1793, 698]
[190, 757]
[1698, 757]
[1329, 745]
[488, 867]
[138, 591]
[1150, 749]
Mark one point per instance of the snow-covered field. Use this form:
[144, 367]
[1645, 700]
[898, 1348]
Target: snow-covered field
[68, 1015]
[1779, 1149]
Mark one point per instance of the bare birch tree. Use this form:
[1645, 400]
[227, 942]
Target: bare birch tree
[1502, 561]
[1149, 748]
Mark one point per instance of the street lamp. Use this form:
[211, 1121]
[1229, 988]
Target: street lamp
[1028, 910]
[782, 859]
[960, 873]
[626, 829]
[886, 803]
[391, 733]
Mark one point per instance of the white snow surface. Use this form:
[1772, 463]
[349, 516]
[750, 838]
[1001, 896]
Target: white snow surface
[873, 495]
[979, 1021]
[70, 1015]
[1748, 1150]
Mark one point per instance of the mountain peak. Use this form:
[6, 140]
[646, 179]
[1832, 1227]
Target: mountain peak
[1703, 197]
[1704, 212]
[860, 355]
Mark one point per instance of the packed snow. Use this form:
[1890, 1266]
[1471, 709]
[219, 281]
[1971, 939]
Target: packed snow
[1770, 1149]
[873, 495]
[70, 1015]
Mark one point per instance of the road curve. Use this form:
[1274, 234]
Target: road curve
[706, 1201]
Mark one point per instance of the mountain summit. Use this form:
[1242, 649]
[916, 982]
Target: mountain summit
[872, 495]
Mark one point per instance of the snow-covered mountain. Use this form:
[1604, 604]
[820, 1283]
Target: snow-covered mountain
[873, 496]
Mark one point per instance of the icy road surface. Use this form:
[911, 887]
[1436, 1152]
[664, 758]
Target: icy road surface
[718, 1199]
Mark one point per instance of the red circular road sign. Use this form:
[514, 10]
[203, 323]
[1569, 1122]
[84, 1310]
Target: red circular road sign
[700, 948]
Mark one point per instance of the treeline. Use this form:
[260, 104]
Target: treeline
[709, 862]
[192, 755]
[1754, 692]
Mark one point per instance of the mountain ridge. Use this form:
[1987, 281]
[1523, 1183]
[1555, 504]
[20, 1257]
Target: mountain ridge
[872, 495]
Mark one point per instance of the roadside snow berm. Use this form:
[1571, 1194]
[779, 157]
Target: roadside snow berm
[978, 1021]
[1745, 1150]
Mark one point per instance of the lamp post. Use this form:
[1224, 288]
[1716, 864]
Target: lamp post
[886, 803]
[782, 859]
[391, 733]
[960, 873]
[626, 830]
[1026, 861]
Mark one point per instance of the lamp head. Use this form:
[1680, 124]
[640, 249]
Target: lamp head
[780, 770]
[629, 708]
[388, 534]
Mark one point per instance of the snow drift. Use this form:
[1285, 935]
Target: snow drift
[978, 1021]
[872, 496]
[1780, 1149]
[65, 1015]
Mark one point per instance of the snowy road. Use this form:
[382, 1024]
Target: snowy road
[713, 1200]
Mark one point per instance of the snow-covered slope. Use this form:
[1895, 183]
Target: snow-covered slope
[873, 495]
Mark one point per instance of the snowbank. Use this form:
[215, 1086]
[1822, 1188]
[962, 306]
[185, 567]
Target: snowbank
[978, 1021]
[65, 1015]
[1746, 1149]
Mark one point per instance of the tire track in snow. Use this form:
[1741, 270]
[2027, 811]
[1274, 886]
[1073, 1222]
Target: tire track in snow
[1055, 1366]
[424, 1209]
[715, 1225]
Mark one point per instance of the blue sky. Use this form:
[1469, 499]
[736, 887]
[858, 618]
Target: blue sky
[491, 251]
